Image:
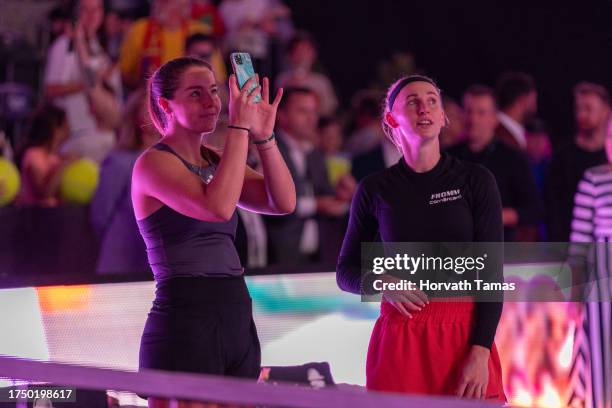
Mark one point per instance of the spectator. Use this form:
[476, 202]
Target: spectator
[115, 27]
[591, 112]
[40, 161]
[154, 40]
[518, 102]
[329, 132]
[330, 143]
[372, 150]
[521, 202]
[251, 25]
[302, 56]
[338, 164]
[539, 150]
[367, 133]
[204, 46]
[294, 238]
[453, 133]
[122, 249]
[59, 22]
[81, 79]
[591, 233]
[206, 13]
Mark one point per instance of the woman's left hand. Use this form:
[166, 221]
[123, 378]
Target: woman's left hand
[265, 119]
[475, 375]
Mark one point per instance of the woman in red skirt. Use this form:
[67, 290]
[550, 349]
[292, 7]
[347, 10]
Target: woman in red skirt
[421, 346]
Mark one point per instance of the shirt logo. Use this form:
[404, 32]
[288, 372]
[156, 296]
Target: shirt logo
[446, 196]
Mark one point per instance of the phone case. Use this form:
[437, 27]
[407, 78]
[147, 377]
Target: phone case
[243, 68]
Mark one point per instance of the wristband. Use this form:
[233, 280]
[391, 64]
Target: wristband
[239, 128]
[266, 147]
[260, 142]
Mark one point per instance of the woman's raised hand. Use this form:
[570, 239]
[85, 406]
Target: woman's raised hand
[259, 117]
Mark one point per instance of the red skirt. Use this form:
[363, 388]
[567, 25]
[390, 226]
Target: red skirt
[425, 354]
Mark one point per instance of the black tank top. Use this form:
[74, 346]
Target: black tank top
[181, 246]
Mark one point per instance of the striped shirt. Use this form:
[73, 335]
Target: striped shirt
[592, 231]
[592, 220]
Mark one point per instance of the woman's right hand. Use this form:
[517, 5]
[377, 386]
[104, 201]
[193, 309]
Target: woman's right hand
[405, 301]
[242, 109]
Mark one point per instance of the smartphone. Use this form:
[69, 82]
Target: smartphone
[243, 68]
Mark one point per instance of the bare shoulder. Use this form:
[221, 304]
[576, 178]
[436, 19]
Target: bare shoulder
[150, 168]
[145, 163]
[149, 158]
[153, 161]
[154, 167]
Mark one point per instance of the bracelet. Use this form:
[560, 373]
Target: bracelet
[239, 128]
[263, 149]
[260, 142]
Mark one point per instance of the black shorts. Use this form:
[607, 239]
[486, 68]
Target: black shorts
[202, 325]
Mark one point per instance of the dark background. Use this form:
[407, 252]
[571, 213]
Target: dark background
[463, 42]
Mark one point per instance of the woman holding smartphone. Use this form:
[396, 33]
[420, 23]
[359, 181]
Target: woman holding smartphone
[185, 196]
[418, 346]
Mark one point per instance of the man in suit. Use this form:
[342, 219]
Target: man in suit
[518, 100]
[294, 238]
[522, 204]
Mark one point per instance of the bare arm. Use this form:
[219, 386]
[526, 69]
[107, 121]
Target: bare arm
[274, 191]
[163, 177]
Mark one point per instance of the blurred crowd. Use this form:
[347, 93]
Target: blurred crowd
[81, 141]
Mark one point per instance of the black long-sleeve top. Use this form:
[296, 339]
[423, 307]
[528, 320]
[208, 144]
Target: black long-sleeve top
[516, 183]
[397, 203]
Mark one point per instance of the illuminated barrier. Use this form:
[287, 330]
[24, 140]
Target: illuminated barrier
[224, 390]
